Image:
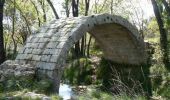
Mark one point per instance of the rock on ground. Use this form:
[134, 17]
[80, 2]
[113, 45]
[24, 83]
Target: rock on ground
[12, 68]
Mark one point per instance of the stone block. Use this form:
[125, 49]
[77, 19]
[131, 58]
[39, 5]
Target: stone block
[36, 57]
[63, 39]
[54, 39]
[45, 58]
[52, 30]
[41, 45]
[46, 66]
[35, 39]
[29, 39]
[21, 50]
[28, 57]
[54, 58]
[60, 45]
[28, 45]
[43, 29]
[43, 40]
[37, 51]
[19, 56]
[49, 74]
[52, 45]
[51, 51]
[57, 34]
[28, 50]
[32, 45]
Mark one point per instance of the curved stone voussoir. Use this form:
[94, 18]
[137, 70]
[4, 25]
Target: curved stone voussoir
[48, 48]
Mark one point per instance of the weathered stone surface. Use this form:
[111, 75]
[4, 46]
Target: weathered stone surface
[36, 57]
[45, 58]
[115, 34]
[51, 51]
[12, 69]
[37, 51]
[54, 58]
[46, 66]
[119, 40]
[33, 95]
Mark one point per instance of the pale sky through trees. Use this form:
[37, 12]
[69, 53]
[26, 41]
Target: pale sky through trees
[145, 5]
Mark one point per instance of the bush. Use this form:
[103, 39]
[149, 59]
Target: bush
[78, 72]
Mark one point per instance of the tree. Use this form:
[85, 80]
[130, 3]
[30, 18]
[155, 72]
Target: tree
[75, 11]
[163, 33]
[166, 6]
[2, 51]
[43, 8]
[36, 8]
[52, 7]
[67, 7]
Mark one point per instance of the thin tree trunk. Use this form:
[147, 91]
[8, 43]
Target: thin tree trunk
[66, 8]
[17, 7]
[43, 8]
[75, 14]
[2, 51]
[166, 6]
[13, 30]
[83, 42]
[39, 21]
[82, 46]
[87, 3]
[75, 9]
[88, 47]
[111, 7]
[85, 46]
[163, 34]
[90, 38]
[52, 7]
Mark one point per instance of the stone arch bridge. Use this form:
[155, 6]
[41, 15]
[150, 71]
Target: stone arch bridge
[47, 49]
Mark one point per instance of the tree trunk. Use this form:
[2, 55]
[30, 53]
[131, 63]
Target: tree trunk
[26, 21]
[13, 31]
[66, 8]
[166, 6]
[163, 34]
[82, 46]
[75, 14]
[88, 47]
[52, 7]
[75, 9]
[2, 51]
[87, 3]
[43, 8]
[36, 9]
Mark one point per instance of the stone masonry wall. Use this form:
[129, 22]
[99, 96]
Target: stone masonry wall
[47, 48]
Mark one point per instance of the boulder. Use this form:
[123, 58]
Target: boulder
[11, 68]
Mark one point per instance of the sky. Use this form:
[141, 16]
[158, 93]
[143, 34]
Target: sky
[145, 5]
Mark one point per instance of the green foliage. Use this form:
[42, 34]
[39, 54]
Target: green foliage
[15, 84]
[96, 94]
[122, 78]
[55, 97]
[104, 72]
[95, 50]
[165, 86]
[16, 87]
[152, 32]
[79, 72]
[43, 86]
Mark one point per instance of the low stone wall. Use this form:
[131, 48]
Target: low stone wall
[11, 68]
